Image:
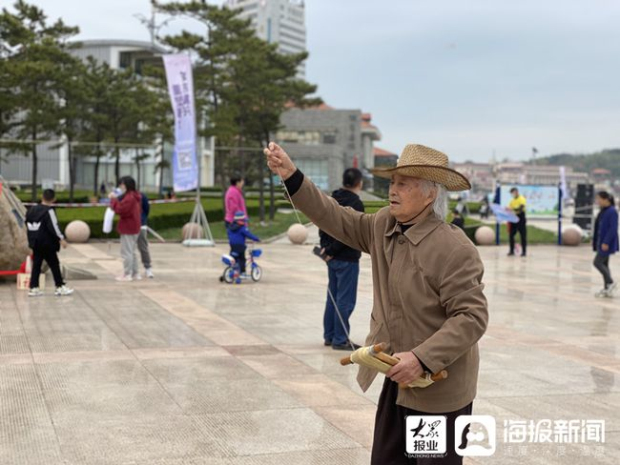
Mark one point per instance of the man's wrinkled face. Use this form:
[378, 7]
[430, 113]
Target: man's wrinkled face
[408, 197]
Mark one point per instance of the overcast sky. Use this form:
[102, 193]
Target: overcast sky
[469, 77]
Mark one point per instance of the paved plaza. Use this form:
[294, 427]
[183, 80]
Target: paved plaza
[184, 370]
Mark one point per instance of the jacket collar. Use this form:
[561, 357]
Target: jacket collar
[418, 231]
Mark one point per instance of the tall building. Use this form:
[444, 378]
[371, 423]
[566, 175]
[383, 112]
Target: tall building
[277, 21]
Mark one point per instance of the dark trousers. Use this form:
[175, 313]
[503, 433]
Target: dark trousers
[238, 251]
[51, 257]
[601, 263]
[343, 277]
[389, 444]
[520, 228]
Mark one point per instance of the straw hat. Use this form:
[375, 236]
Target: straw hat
[423, 162]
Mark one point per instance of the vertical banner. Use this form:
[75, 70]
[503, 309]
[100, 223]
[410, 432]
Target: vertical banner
[181, 90]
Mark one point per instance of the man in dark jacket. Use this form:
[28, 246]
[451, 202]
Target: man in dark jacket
[45, 239]
[457, 219]
[343, 269]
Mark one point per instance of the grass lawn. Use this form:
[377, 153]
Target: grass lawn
[280, 225]
[534, 236]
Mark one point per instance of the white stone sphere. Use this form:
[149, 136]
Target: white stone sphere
[572, 235]
[192, 231]
[297, 233]
[485, 236]
[77, 231]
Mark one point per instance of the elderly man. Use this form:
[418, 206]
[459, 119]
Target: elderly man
[428, 293]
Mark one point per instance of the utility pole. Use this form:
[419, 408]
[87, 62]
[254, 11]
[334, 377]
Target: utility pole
[151, 23]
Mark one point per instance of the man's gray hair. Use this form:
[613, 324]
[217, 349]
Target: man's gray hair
[440, 204]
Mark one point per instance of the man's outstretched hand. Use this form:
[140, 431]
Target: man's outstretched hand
[278, 161]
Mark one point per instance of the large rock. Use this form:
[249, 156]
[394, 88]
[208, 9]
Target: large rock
[13, 238]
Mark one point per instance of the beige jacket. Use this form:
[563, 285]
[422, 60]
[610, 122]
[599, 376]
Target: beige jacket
[428, 295]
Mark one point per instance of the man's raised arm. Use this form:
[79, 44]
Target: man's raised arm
[342, 223]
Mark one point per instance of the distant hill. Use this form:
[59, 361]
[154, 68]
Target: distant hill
[608, 159]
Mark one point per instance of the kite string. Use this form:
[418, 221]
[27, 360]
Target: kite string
[290, 198]
[329, 292]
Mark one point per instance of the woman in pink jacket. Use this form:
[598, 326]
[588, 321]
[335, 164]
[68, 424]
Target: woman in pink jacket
[234, 200]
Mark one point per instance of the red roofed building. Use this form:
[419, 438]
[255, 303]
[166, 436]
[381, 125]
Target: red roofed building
[383, 158]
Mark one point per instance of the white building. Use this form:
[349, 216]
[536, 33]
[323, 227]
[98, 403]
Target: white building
[54, 160]
[276, 21]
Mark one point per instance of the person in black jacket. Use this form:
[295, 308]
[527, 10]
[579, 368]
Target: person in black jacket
[45, 239]
[457, 219]
[343, 268]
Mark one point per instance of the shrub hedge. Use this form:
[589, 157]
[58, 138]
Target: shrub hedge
[474, 207]
[162, 216]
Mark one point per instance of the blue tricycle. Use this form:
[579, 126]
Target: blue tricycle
[232, 272]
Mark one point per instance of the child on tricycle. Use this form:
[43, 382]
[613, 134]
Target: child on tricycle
[236, 262]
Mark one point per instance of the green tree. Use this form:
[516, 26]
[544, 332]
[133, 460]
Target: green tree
[95, 121]
[242, 84]
[276, 87]
[606, 159]
[74, 106]
[8, 102]
[151, 120]
[121, 110]
[157, 118]
[33, 48]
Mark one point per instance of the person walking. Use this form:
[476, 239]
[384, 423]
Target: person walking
[517, 205]
[234, 201]
[45, 240]
[143, 238]
[343, 264]
[605, 241]
[127, 206]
